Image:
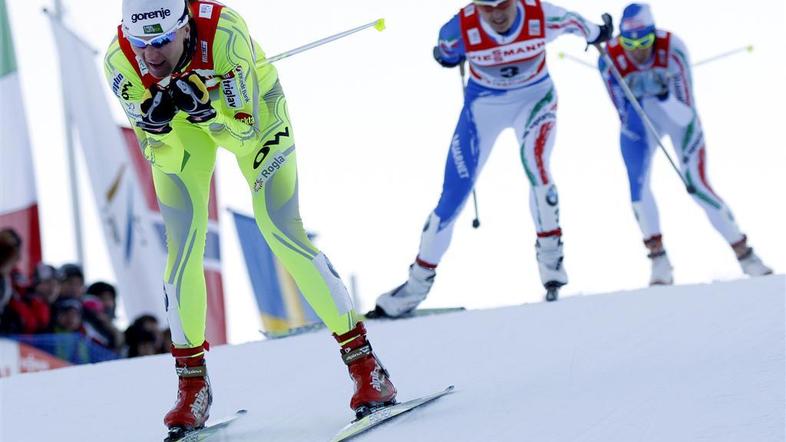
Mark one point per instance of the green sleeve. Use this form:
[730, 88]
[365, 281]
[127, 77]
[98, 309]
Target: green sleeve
[236, 125]
[163, 151]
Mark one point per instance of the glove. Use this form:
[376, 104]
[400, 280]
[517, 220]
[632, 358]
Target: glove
[606, 30]
[190, 95]
[444, 63]
[158, 109]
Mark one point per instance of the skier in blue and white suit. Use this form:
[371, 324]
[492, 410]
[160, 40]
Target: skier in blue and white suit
[655, 65]
[504, 43]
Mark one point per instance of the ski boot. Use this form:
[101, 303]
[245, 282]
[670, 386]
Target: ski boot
[406, 297]
[552, 272]
[750, 263]
[662, 271]
[373, 389]
[194, 396]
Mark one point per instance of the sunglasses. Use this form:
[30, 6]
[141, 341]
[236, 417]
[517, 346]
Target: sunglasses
[632, 44]
[161, 40]
[489, 8]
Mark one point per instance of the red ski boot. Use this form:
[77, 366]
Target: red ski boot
[373, 388]
[194, 396]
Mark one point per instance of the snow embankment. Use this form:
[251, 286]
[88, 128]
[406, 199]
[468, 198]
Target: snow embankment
[685, 363]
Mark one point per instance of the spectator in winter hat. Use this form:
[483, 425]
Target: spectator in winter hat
[67, 316]
[45, 283]
[72, 281]
[107, 294]
[10, 254]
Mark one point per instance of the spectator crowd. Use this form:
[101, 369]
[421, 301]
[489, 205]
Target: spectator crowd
[57, 300]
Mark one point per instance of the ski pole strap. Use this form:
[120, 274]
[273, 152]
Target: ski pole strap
[190, 352]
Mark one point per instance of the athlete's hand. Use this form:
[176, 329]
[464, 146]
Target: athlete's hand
[158, 109]
[190, 95]
[445, 63]
[606, 31]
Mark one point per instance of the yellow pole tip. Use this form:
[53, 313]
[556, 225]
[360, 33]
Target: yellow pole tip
[380, 26]
[750, 48]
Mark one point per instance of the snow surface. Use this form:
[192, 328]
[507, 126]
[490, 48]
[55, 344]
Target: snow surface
[685, 363]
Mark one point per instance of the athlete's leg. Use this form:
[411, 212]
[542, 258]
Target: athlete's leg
[638, 146]
[689, 143]
[183, 199]
[479, 125]
[536, 128]
[273, 170]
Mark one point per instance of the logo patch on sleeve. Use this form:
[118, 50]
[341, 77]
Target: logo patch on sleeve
[245, 118]
[205, 11]
[231, 96]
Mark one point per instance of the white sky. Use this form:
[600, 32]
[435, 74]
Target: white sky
[374, 115]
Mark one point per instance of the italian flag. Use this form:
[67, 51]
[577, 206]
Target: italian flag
[18, 203]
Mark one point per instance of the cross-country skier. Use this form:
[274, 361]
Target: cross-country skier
[655, 64]
[219, 91]
[509, 85]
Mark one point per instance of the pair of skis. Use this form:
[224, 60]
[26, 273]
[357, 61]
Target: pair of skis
[354, 428]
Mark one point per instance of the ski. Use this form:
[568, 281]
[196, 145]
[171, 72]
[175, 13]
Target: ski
[379, 314]
[206, 432]
[384, 414]
[372, 315]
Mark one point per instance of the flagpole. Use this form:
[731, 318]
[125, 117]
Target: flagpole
[71, 152]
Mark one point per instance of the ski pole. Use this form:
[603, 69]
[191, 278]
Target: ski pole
[748, 48]
[707, 60]
[637, 107]
[211, 79]
[577, 60]
[476, 221]
[379, 25]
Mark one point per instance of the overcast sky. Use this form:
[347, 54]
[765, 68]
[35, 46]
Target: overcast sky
[374, 115]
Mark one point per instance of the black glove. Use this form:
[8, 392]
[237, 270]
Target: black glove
[606, 30]
[190, 95]
[158, 109]
[443, 63]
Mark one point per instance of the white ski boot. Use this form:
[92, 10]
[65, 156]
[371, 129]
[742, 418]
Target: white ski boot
[752, 265]
[662, 271]
[552, 272]
[406, 297]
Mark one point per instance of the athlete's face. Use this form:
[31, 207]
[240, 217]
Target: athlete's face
[161, 61]
[500, 17]
[640, 55]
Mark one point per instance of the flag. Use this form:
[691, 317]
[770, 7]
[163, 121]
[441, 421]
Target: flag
[18, 201]
[280, 302]
[122, 186]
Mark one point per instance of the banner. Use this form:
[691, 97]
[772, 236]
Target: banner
[122, 185]
[18, 358]
[280, 302]
[18, 201]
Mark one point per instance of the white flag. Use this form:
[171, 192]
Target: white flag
[136, 248]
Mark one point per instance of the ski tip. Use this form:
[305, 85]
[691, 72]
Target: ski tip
[241, 411]
[380, 25]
